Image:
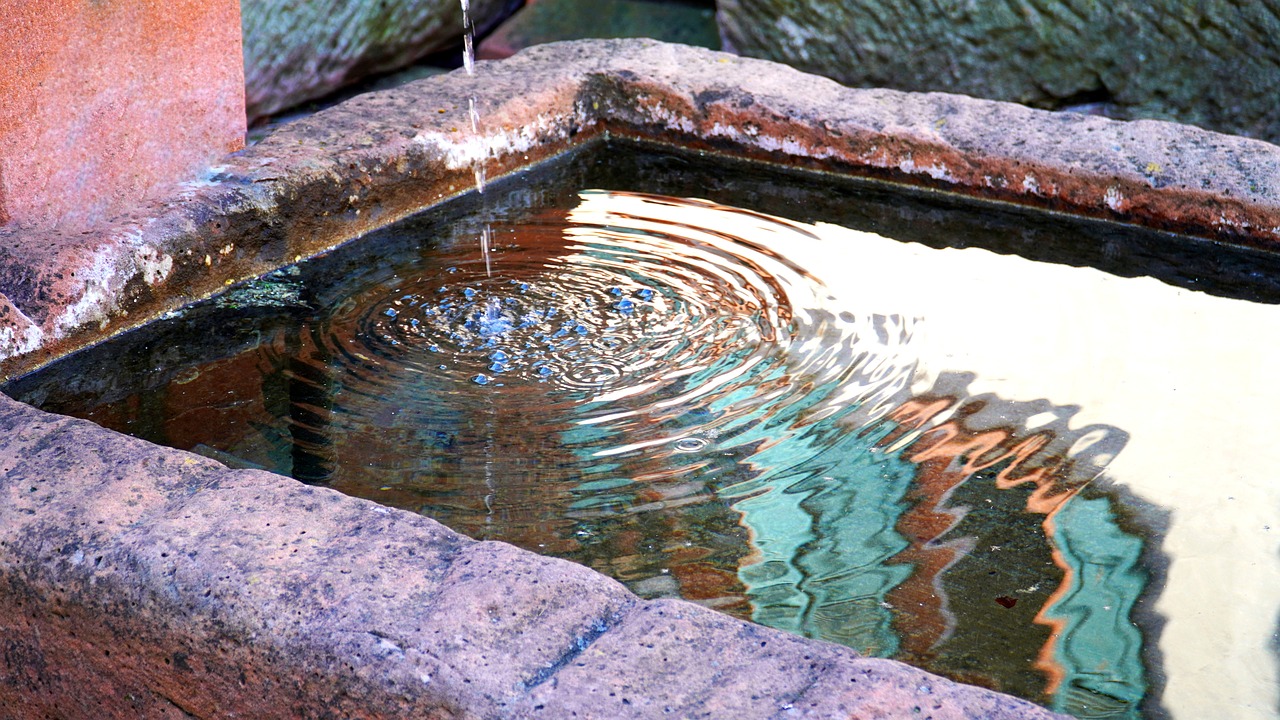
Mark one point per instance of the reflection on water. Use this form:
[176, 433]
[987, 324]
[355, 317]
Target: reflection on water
[819, 429]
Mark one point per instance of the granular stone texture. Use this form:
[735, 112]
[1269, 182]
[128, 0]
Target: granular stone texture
[298, 51]
[324, 180]
[1212, 63]
[142, 582]
[105, 104]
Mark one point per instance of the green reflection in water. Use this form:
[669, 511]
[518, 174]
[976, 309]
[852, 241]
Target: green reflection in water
[824, 537]
[1099, 650]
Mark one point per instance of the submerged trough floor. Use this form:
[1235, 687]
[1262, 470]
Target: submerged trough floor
[138, 581]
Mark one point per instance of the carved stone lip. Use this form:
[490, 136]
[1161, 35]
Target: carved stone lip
[141, 581]
[336, 175]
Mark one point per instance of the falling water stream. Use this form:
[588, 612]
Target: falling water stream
[473, 114]
[960, 459]
[486, 239]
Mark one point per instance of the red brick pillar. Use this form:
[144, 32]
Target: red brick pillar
[106, 102]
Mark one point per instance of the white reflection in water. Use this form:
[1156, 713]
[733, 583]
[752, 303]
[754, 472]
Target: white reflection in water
[1188, 376]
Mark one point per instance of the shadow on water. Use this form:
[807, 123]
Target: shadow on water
[972, 535]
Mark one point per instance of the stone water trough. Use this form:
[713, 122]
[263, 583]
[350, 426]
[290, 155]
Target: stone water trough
[142, 582]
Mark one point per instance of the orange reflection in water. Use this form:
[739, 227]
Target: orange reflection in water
[947, 454]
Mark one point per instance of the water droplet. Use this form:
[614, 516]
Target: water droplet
[592, 374]
[690, 444]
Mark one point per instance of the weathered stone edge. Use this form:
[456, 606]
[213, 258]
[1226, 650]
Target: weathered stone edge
[343, 172]
[1150, 173]
[142, 582]
[316, 184]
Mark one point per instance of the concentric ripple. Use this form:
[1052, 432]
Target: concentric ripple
[630, 328]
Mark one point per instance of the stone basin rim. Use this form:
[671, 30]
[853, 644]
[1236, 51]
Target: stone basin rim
[354, 168]
[332, 177]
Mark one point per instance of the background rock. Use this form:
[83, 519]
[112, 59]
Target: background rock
[543, 21]
[297, 51]
[1212, 63]
[103, 105]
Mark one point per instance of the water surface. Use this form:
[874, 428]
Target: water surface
[1029, 475]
